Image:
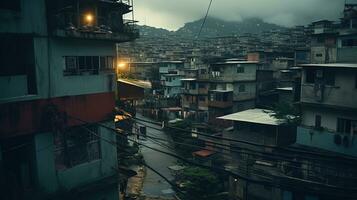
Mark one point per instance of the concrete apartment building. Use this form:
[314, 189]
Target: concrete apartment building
[272, 166]
[328, 91]
[170, 77]
[222, 88]
[57, 66]
[232, 87]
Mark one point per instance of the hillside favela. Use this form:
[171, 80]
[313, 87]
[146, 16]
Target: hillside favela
[178, 100]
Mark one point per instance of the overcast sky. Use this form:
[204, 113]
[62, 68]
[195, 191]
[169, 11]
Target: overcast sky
[172, 14]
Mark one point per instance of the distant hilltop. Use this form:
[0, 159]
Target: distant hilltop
[213, 28]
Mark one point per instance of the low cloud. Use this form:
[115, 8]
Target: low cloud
[173, 14]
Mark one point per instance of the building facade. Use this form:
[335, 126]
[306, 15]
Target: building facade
[58, 82]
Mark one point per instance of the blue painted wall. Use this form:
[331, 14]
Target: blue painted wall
[324, 140]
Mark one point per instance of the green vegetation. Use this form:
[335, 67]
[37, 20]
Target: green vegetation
[287, 112]
[179, 136]
[201, 183]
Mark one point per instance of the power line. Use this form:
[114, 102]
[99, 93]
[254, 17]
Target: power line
[241, 153]
[204, 20]
[224, 171]
[294, 150]
[145, 164]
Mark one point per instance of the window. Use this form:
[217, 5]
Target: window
[318, 121]
[76, 65]
[344, 125]
[318, 55]
[320, 40]
[310, 76]
[192, 86]
[240, 69]
[201, 98]
[202, 86]
[241, 88]
[17, 59]
[329, 77]
[14, 5]
[349, 43]
[76, 146]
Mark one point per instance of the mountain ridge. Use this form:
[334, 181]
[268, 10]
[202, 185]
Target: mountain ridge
[213, 27]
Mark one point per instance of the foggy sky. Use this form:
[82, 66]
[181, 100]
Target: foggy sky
[172, 14]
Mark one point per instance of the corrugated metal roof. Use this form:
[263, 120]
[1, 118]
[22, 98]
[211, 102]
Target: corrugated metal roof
[332, 65]
[258, 116]
[138, 83]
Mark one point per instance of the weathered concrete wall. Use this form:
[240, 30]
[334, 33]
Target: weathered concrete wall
[334, 95]
[51, 180]
[79, 84]
[30, 19]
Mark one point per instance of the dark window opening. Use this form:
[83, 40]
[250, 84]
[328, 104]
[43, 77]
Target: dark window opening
[329, 77]
[201, 86]
[192, 86]
[318, 55]
[76, 146]
[349, 43]
[318, 121]
[76, 65]
[241, 88]
[343, 125]
[14, 5]
[310, 76]
[240, 69]
[17, 59]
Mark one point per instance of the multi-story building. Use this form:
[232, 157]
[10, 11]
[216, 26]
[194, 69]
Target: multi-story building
[57, 60]
[170, 77]
[266, 164]
[195, 95]
[232, 87]
[328, 104]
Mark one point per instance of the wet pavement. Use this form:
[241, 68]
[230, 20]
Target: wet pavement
[153, 184]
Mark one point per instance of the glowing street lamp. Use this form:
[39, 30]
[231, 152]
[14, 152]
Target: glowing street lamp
[121, 65]
[89, 18]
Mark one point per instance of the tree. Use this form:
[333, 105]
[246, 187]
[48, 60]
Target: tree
[200, 182]
[287, 112]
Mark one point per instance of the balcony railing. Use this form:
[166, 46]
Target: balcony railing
[101, 20]
[220, 104]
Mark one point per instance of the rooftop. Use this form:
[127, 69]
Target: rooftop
[188, 79]
[332, 65]
[258, 116]
[221, 90]
[236, 62]
[137, 83]
[285, 88]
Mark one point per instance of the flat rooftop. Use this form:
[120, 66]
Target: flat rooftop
[258, 116]
[188, 79]
[332, 65]
[137, 83]
[236, 62]
[285, 88]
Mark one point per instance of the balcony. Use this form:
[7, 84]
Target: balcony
[189, 91]
[98, 20]
[192, 106]
[220, 104]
